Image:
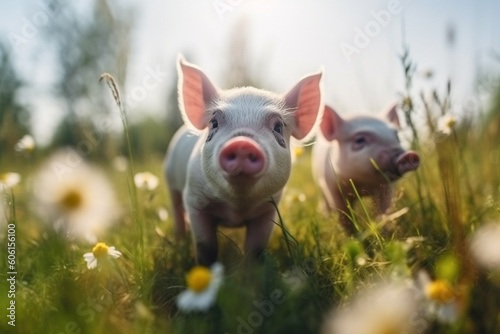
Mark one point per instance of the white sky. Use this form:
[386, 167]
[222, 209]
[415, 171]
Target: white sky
[289, 38]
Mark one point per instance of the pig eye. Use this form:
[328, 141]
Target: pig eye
[278, 128]
[214, 123]
[359, 142]
[213, 130]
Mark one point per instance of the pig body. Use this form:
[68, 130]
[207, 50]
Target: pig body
[238, 159]
[365, 150]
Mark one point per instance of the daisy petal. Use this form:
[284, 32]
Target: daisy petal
[114, 253]
[186, 301]
[92, 263]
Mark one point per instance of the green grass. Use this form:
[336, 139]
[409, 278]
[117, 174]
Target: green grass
[312, 265]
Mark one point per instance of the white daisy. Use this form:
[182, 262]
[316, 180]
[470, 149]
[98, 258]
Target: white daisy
[384, 309]
[9, 180]
[485, 246]
[76, 198]
[146, 180]
[202, 287]
[442, 300]
[25, 144]
[446, 123]
[99, 252]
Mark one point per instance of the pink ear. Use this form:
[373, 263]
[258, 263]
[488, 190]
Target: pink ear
[330, 124]
[392, 116]
[305, 99]
[195, 93]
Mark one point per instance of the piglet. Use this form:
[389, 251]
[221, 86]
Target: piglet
[365, 150]
[232, 156]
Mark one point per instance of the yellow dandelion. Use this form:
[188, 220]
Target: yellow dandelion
[202, 287]
[298, 152]
[99, 252]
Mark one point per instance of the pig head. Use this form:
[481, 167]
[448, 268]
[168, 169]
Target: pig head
[365, 150]
[232, 156]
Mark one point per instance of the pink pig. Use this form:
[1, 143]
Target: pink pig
[233, 156]
[365, 150]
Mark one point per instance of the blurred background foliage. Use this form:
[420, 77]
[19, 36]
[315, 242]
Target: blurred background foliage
[102, 43]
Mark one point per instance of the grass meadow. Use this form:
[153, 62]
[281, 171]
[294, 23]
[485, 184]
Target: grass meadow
[312, 274]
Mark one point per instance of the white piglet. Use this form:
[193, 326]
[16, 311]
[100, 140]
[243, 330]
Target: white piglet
[365, 150]
[232, 156]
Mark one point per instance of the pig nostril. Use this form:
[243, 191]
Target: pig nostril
[232, 156]
[252, 157]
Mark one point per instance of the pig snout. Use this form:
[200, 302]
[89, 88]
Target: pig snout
[242, 156]
[407, 162]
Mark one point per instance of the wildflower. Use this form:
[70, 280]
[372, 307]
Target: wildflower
[384, 309]
[162, 213]
[25, 144]
[80, 203]
[9, 180]
[442, 302]
[146, 180]
[99, 252]
[446, 123]
[203, 284]
[485, 246]
[298, 152]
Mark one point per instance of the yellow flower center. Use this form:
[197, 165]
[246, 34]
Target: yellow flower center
[450, 122]
[100, 250]
[198, 278]
[298, 151]
[71, 200]
[439, 291]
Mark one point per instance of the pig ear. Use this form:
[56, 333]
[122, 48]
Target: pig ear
[392, 116]
[305, 100]
[330, 124]
[195, 93]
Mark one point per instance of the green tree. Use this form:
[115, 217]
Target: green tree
[85, 48]
[14, 118]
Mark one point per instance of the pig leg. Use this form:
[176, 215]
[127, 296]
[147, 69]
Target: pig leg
[382, 200]
[204, 230]
[344, 212]
[258, 233]
[179, 214]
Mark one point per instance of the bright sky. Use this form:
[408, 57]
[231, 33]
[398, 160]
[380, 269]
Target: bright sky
[289, 39]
